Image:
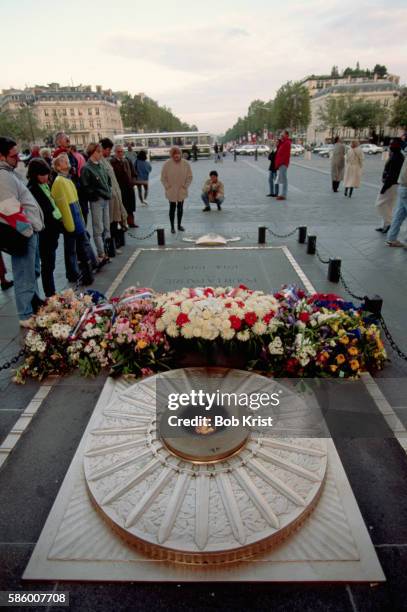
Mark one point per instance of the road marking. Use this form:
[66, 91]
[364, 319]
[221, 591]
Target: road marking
[352, 601]
[327, 172]
[307, 283]
[259, 169]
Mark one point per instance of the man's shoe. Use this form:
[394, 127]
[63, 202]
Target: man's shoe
[395, 243]
[280, 198]
[6, 285]
[181, 229]
[219, 207]
[206, 209]
[379, 229]
[270, 195]
[386, 229]
[173, 230]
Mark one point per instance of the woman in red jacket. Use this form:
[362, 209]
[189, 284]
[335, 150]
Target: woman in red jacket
[282, 162]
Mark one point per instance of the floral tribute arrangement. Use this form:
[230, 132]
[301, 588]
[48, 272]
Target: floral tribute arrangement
[141, 332]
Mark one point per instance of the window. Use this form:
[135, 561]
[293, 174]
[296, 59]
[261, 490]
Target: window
[89, 111]
[98, 123]
[48, 125]
[178, 141]
[64, 113]
[46, 112]
[97, 111]
[140, 142]
[91, 123]
[54, 112]
[73, 125]
[72, 112]
[81, 124]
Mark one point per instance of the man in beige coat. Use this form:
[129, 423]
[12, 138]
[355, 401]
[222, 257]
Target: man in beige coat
[176, 176]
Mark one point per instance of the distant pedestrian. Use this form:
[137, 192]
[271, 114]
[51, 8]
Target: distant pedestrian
[97, 187]
[354, 160]
[17, 200]
[213, 192]
[388, 194]
[142, 168]
[273, 171]
[77, 247]
[38, 176]
[400, 212]
[217, 152]
[126, 177]
[282, 161]
[194, 151]
[131, 154]
[176, 177]
[117, 212]
[337, 163]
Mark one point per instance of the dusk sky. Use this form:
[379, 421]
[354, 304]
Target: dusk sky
[205, 60]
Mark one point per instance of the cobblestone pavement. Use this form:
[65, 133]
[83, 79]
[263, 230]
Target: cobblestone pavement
[32, 475]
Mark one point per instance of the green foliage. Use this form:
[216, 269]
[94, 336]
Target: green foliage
[380, 70]
[399, 110]
[22, 125]
[331, 114]
[291, 107]
[145, 114]
[360, 114]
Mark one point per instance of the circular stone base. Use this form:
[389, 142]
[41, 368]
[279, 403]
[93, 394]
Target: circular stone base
[189, 510]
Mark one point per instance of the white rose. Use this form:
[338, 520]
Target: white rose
[243, 336]
[227, 334]
[187, 331]
[172, 330]
[259, 328]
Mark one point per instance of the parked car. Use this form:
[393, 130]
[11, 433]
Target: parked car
[371, 149]
[326, 150]
[297, 149]
[263, 149]
[318, 148]
[246, 149]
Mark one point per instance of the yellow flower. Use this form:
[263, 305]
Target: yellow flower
[141, 344]
[344, 340]
[380, 344]
[354, 364]
[340, 358]
[353, 350]
[333, 368]
[103, 344]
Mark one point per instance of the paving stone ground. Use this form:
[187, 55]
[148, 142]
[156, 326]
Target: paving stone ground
[32, 475]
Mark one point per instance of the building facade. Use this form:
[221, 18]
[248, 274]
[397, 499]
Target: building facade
[373, 88]
[85, 115]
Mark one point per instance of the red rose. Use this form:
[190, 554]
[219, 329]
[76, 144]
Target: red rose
[250, 318]
[304, 317]
[182, 319]
[228, 305]
[240, 303]
[159, 312]
[267, 318]
[209, 291]
[301, 293]
[291, 365]
[235, 322]
[243, 287]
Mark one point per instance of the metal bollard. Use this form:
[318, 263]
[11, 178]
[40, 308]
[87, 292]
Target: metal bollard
[234, 155]
[302, 234]
[160, 237]
[262, 235]
[374, 304]
[311, 245]
[256, 154]
[334, 270]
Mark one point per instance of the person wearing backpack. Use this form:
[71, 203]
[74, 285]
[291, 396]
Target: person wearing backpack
[20, 215]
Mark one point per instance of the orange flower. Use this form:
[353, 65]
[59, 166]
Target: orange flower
[353, 350]
[333, 368]
[340, 358]
[354, 364]
[344, 340]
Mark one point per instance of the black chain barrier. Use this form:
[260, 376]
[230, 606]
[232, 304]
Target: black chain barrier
[281, 235]
[390, 340]
[141, 237]
[7, 364]
[348, 290]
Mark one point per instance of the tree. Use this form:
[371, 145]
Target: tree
[380, 70]
[331, 114]
[335, 72]
[291, 107]
[360, 114]
[141, 113]
[399, 111]
[22, 125]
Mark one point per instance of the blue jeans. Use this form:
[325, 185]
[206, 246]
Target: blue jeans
[272, 182]
[399, 214]
[26, 269]
[282, 179]
[205, 200]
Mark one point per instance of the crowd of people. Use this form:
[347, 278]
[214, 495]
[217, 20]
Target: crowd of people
[65, 187]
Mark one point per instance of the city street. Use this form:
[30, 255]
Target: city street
[32, 473]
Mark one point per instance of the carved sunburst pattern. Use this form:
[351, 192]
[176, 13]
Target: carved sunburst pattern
[208, 513]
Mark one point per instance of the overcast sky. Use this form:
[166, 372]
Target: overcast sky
[206, 60]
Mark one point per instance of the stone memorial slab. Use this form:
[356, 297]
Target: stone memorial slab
[78, 543]
[265, 268]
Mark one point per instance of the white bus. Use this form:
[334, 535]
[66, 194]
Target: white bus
[158, 144]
